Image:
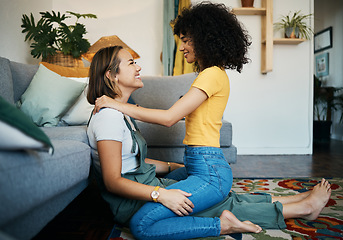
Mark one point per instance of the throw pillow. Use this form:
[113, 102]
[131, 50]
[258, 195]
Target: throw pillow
[19, 132]
[49, 96]
[78, 72]
[81, 111]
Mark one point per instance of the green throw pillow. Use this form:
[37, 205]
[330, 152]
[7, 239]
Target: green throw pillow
[49, 96]
[19, 132]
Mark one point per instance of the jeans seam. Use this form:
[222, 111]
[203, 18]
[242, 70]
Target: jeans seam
[214, 169]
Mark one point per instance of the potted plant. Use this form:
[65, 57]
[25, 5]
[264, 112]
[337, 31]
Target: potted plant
[247, 3]
[295, 25]
[52, 35]
[325, 103]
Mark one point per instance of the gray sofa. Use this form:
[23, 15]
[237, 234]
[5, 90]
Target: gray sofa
[35, 186]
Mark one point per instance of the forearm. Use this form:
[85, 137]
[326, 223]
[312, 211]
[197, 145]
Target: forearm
[163, 167]
[130, 189]
[184, 106]
[156, 116]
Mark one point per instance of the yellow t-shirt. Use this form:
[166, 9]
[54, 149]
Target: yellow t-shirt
[203, 125]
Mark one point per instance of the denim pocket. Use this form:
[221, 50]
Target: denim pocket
[224, 175]
[221, 175]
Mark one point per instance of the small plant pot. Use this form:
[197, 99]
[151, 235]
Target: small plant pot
[322, 130]
[247, 3]
[290, 32]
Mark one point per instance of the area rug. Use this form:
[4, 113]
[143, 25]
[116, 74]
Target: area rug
[329, 225]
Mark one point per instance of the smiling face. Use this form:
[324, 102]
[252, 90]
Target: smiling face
[128, 78]
[187, 48]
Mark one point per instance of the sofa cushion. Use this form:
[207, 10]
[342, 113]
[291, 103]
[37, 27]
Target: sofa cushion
[22, 75]
[18, 131]
[80, 112]
[173, 87]
[29, 178]
[6, 84]
[76, 133]
[49, 96]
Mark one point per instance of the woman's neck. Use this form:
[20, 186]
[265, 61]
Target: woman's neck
[124, 98]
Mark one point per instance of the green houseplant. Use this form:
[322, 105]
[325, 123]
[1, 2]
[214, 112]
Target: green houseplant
[325, 102]
[52, 34]
[295, 25]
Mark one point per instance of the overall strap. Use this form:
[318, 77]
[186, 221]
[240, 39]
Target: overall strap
[132, 131]
[134, 123]
[90, 117]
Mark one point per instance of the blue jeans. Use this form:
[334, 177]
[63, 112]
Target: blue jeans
[209, 181]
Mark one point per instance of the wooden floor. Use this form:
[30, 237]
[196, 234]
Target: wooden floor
[326, 161]
[88, 217]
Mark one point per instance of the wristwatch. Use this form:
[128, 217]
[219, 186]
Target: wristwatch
[155, 194]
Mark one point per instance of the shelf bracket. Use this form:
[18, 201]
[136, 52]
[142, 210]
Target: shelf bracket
[267, 37]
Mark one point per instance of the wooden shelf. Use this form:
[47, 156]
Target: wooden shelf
[267, 41]
[267, 37]
[290, 41]
[266, 13]
[249, 11]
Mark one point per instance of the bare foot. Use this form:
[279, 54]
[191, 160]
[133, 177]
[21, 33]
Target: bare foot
[230, 224]
[317, 200]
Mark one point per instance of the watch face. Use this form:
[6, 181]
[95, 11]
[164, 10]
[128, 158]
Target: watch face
[155, 194]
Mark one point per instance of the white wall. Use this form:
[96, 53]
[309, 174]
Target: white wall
[329, 13]
[137, 23]
[271, 114]
[12, 43]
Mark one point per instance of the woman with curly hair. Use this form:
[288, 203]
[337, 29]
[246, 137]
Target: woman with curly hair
[214, 40]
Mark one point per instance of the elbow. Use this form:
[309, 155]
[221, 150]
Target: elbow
[108, 187]
[168, 119]
[169, 122]
[111, 186]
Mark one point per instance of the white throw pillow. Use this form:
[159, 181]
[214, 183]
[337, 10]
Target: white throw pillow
[81, 111]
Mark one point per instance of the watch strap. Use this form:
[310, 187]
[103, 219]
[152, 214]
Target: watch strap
[155, 190]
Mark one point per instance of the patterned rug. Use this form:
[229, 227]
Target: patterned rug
[329, 225]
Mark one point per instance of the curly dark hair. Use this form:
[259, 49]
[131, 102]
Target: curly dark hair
[218, 37]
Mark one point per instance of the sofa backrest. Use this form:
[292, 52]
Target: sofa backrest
[162, 92]
[6, 83]
[22, 75]
[14, 79]
[158, 92]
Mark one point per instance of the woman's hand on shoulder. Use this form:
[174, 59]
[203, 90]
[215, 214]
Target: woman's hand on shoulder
[105, 101]
[176, 200]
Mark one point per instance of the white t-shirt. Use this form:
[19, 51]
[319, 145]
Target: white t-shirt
[109, 124]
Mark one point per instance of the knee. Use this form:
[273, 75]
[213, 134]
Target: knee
[134, 226]
[138, 228]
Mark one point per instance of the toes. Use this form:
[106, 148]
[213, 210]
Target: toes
[259, 229]
[253, 227]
